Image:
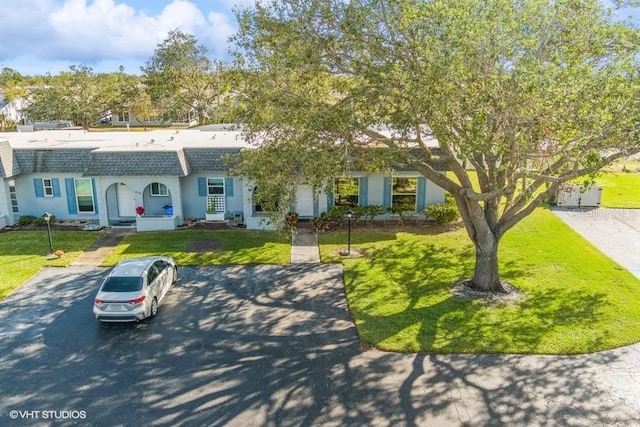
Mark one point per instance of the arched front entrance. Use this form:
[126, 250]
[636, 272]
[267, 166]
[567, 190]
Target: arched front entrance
[121, 204]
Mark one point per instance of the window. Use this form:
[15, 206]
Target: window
[347, 191]
[262, 203]
[215, 186]
[122, 284]
[158, 189]
[14, 197]
[47, 187]
[403, 193]
[84, 195]
[152, 274]
[124, 116]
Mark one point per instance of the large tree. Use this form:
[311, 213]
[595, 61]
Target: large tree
[181, 78]
[529, 94]
[79, 95]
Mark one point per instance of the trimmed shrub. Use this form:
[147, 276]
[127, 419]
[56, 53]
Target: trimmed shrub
[27, 220]
[442, 213]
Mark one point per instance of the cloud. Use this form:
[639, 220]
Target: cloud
[101, 31]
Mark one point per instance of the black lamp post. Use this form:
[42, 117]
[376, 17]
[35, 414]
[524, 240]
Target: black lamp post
[349, 214]
[47, 219]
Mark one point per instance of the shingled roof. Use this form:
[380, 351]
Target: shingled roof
[66, 160]
[136, 163]
[207, 159]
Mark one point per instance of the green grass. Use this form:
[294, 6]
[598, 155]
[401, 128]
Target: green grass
[23, 254]
[574, 299]
[235, 247]
[620, 190]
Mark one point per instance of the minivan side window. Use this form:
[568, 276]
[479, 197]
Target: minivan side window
[152, 274]
[160, 265]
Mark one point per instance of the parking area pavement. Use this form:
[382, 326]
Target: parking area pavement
[615, 232]
[271, 346]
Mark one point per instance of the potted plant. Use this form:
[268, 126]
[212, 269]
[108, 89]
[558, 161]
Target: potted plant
[210, 215]
[139, 210]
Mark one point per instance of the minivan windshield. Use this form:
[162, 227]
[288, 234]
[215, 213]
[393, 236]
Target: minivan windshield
[122, 284]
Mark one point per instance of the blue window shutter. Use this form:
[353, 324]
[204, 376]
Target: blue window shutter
[202, 186]
[95, 195]
[37, 184]
[363, 191]
[55, 182]
[316, 207]
[71, 195]
[386, 193]
[330, 200]
[422, 190]
[228, 187]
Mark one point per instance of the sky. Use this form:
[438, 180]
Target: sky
[47, 36]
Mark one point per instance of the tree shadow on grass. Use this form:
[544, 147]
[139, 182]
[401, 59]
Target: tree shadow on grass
[401, 299]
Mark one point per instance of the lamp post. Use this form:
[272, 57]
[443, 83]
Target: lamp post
[349, 214]
[47, 219]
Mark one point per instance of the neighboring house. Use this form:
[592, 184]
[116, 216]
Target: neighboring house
[125, 118]
[11, 111]
[103, 177]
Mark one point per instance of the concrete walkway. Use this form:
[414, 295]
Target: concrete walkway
[615, 232]
[304, 247]
[102, 247]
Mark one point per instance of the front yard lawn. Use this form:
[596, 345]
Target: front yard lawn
[197, 247]
[620, 190]
[23, 254]
[574, 299]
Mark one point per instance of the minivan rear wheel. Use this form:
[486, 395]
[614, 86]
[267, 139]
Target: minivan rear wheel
[154, 307]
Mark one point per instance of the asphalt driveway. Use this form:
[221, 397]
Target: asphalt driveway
[272, 345]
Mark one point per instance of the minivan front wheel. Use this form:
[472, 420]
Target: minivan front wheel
[154, 307]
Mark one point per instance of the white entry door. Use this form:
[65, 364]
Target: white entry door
[304, 200]
[126, 202]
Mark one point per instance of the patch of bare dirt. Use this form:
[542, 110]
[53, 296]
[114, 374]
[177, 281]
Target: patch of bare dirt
[201, 246]
[352, 253]
[463, 290]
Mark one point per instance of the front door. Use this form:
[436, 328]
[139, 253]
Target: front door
[304, 200]
[126, 202]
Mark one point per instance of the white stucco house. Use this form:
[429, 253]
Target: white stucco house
[104, 177]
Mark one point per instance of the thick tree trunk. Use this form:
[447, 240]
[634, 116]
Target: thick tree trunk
[486, 276]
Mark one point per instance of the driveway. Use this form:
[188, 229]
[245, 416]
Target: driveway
[271, 346]
[615, 232]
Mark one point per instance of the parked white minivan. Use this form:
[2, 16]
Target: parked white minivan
[134, 289]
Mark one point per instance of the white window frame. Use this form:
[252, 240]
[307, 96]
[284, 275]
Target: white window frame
[93, 206]
[351, 196]
[124, 116]
[159, 192]
[47, 187]
[211, 186]
[414, 194]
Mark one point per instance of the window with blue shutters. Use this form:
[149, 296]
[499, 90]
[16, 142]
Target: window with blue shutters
[346, 192]
[404, 193]
[46, 187]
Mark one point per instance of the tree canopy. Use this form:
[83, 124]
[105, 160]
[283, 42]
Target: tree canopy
[182, 78]
[79, 95]
[529, 94]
